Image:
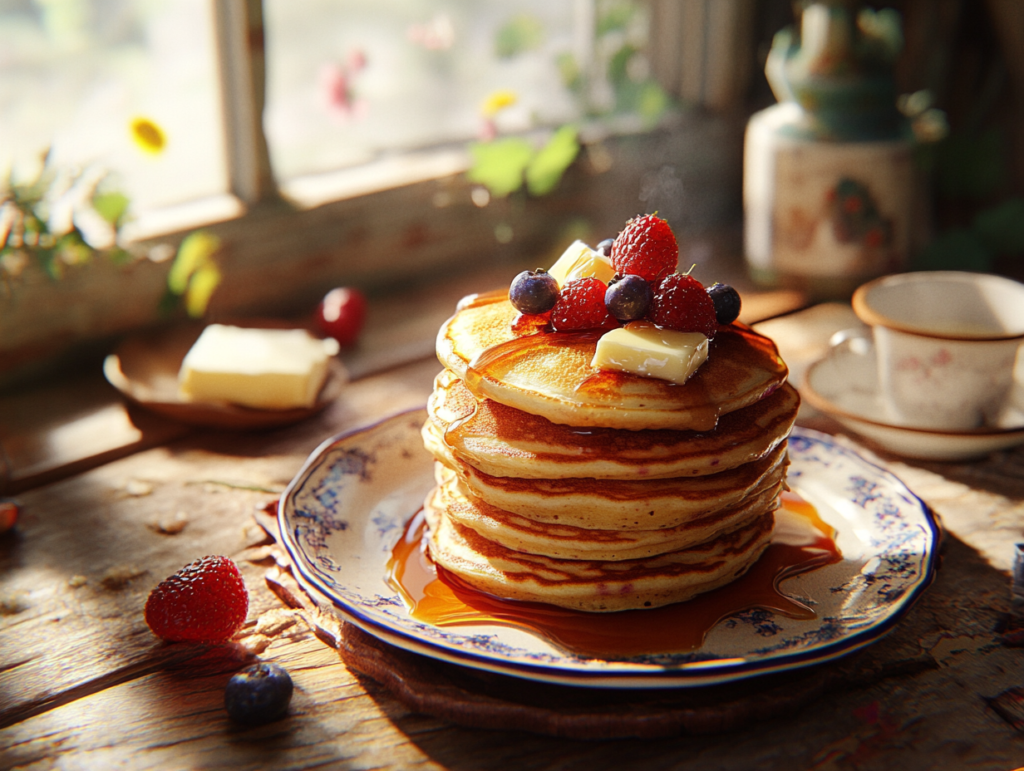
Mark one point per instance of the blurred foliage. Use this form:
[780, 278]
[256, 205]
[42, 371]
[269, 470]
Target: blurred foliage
[546, 167]
[194, 274]
[518, 35]
[62, 217]
[507, 165]
[997, 231]
[504, 165]
[500, 164]
[971, 165]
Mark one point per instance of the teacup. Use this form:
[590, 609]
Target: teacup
[946, 344]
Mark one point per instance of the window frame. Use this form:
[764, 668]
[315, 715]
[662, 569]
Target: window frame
[387, 226]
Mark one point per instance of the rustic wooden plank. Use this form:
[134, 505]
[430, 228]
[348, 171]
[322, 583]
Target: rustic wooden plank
[174, 719]
[87, 550]
[51, 431]
[84, 684]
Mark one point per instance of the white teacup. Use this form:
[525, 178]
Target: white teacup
[946, 344]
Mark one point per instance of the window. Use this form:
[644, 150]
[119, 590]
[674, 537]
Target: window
[75, 74]
[324, 141]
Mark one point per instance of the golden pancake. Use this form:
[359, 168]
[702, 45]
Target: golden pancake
[623, 504]
[566, 542]
[549, 374]
[595, 586]
[503, 441]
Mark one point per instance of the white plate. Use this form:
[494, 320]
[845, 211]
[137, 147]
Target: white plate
[844, 385]
[345, 510]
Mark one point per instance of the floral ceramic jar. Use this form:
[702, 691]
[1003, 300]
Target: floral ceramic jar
[829, 174]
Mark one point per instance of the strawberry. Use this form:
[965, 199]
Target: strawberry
[205, 601]
[646, 247]
[580, 305]
[681, 303]
[341, 314]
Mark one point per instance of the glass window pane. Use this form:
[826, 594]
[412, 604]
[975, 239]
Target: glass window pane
[75, 74]
[350, 81]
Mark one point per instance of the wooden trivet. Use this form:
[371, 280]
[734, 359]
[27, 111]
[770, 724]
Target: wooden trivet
[479, 699]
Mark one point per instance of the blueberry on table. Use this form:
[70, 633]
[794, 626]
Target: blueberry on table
[258, 694]
[727, 303]
[628, 298]
[533, 291]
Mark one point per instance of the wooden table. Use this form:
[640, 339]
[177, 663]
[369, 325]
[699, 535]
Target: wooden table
[103, 491]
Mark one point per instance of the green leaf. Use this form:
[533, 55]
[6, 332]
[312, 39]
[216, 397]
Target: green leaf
[112, 206]
[119, 256]
[499, 165]
[618, 65]
[168, 303]
[971, 165]
[200, 289]
[547, 167]
[1001, 228]
[957, 249]
[195, 250]
[570, 71]
[48, 261]
[519, 34]
[652, 102]
[72, 249]
[614, 17]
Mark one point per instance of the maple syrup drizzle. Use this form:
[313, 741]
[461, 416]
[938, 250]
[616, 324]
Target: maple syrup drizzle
[802, 542]
[534, 332]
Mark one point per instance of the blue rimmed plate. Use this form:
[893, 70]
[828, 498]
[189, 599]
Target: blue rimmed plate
[348, 506]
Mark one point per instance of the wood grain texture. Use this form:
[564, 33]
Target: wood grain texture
[84, 684]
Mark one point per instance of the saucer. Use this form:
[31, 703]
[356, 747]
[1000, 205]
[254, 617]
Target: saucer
[844, 385]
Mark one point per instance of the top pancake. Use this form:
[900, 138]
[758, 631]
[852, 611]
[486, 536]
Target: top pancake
[549, 374]
[506, 442]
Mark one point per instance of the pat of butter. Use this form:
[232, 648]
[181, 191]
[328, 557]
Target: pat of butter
[273, 369]
[641, 348]
[579, 261]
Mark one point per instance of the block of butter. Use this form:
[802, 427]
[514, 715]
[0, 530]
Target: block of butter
[274, 369]
[578, 261]
[641, 348]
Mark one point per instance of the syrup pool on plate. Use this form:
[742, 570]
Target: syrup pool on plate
[801, 542]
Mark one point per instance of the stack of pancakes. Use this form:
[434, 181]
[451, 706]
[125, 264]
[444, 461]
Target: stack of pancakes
[593, 490]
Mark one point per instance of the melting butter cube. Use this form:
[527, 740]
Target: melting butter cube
[579, 261]
[641, 348]
[273, 369]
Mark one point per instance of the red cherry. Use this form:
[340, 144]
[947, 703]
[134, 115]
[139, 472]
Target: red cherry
[341, 314]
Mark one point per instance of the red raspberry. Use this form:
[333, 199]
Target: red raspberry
[205, 601]
[681, 303]
[580, 305]
[646, 247]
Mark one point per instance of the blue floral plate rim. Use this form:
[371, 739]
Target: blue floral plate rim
[345, 509]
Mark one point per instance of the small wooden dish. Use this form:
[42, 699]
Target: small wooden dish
[144, 368]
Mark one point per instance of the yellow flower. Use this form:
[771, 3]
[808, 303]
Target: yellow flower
[148, 136]
[497, 102]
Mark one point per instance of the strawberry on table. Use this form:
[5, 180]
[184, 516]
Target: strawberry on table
[205, 601]
[646, 247]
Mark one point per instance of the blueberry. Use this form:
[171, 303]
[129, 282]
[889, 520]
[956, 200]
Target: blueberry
[628, 297]
[605, 247]
[258, 694]
[533, 291]
[727, 302]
